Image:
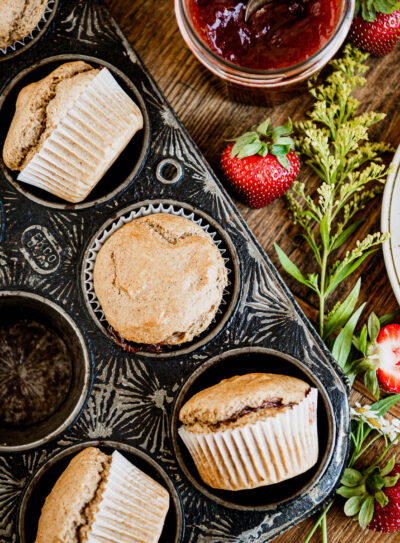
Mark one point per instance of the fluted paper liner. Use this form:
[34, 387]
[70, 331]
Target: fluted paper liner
[86, 142]
[132, 509]
[263, 453]
[21, 43]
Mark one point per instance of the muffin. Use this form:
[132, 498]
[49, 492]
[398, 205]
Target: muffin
[159, 280]
[69, 128]
[103, 498]
[18, 18]
[251, 430]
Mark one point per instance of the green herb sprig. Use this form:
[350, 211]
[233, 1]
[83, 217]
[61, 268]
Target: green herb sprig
[334, 141]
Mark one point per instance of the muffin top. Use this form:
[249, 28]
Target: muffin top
[64, 510]
[240, 400]
[40, 108]
[159, 279]
[18, 18]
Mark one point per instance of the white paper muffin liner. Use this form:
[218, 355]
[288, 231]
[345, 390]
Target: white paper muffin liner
[264, 453]
[132, 509]
[86, 142]
[88, 284]
[20, 44]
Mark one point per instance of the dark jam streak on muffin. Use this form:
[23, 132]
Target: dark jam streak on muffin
[281, 34]
[35, 372]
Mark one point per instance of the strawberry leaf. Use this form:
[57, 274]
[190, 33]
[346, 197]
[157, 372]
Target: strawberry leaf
[341, 347]
[347, 492]
[381, 498]
[373, 327]
[351, 477]
[389, 466]
[285, 140]
[279, 149]
[250, 149]
[363, 340]
[371, 382]
[353, 505]
[391, 481]
[366, 512]
[284, 130]
[265, 128]
[283, 161]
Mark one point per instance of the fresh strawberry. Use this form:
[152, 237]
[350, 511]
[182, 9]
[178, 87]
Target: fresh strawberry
[381, 356]
[388, 352]
[373, 496]
[376, 27]
[387, 518]
[261, 165]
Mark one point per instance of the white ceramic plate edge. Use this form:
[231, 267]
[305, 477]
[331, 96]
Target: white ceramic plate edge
[390, 222]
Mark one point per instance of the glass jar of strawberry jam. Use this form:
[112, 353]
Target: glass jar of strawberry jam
[268, 58]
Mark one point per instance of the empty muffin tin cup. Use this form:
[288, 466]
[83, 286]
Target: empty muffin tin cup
[44, 479]
[21, 45]
[119, 175]
[256, 360]
[220, 239]
[23, 306]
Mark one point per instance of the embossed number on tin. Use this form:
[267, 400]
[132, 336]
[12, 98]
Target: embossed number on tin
[40, 249]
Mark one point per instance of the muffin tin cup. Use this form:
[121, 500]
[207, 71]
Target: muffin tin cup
[21, 45]
[127, 165]
[227, 458]
[46, 476]
[23, 305]
[126, 216]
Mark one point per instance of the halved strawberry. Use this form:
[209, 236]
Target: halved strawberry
[388, 353]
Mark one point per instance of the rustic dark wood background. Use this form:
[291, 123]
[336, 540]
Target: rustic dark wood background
[210, 117]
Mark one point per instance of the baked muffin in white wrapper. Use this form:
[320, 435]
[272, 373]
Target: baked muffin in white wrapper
[103, 499]
[251, 431]
[89, 120]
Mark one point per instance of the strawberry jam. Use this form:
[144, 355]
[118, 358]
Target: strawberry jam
[278, 35]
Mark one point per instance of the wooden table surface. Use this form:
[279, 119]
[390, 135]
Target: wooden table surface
[210, 118]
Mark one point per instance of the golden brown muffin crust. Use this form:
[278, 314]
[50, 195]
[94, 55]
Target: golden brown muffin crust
[67, 507]
[39, 109]
[240, 400]
[18, 18]
[159, 279]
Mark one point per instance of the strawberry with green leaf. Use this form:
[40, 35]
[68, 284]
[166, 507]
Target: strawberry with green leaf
[380, 346]
[376, 26]
[261, 164]
[373, 496]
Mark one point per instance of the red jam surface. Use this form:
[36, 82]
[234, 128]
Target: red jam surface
[278, 35]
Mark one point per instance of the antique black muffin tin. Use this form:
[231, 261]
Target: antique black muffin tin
[130, 401]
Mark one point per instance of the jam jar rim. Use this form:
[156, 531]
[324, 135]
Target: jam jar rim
[261, 78]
